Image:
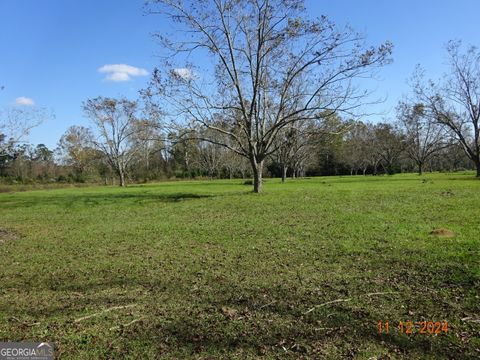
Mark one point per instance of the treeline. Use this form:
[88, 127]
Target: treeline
[341, 148]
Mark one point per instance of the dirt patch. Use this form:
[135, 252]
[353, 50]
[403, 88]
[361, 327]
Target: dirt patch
[7, 235]
[442, 233]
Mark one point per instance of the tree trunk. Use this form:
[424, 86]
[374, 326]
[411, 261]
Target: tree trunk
[284, 173]
[420, 169]
[257, 168]
[121, 177]
[478, 168]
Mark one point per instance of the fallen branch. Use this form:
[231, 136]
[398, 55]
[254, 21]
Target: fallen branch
[327, 303]
[104, 311]
[381, 293]
[348, 299]
[324, 328]
[126, 325]
[13, 318]
[270, 303]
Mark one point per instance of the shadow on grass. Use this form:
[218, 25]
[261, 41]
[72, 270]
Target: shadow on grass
[141, 197]
[69, 201]
[232, 319]
[279, 331]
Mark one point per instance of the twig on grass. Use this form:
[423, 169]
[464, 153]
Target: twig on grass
[470, 319]
[104, 311]
[326, 303]
[127, 324]
[13, 318]
[270, 303]
[347, 299]
[381, 293]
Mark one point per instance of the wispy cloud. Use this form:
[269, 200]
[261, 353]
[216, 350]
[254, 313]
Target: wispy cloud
[184, 74]
[121, 72]
[24, 101]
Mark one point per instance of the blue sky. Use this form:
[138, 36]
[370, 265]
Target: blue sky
[51, 50]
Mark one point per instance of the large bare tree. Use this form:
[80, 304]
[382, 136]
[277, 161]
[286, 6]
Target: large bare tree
[455, 101]
[271, 67]
[115, 122]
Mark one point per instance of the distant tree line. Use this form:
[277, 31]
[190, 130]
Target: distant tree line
[341, 148]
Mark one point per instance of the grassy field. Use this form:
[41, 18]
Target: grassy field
[210, 270]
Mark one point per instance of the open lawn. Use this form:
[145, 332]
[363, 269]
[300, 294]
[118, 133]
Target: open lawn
[210, 270]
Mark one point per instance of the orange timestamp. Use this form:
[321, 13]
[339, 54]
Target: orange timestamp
[413, 327]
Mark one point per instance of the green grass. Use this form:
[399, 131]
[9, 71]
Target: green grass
[211, 270]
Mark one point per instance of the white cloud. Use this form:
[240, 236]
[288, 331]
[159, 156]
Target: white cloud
[117, 76]
[184, 73]
[121, 72]
[24, 101]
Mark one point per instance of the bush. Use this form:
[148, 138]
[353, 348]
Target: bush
[62, 179]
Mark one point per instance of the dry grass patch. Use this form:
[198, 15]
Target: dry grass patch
[7, 235]
[443, 233]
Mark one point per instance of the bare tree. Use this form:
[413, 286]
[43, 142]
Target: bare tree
[455, 102]
[210, 156]
[287, 138]
[294, 148]
[115, 120]
[147, 138]
[16, 122]
[234, 164]
[357, 147]
[423, 137]
[273, 67]
[388, 144]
